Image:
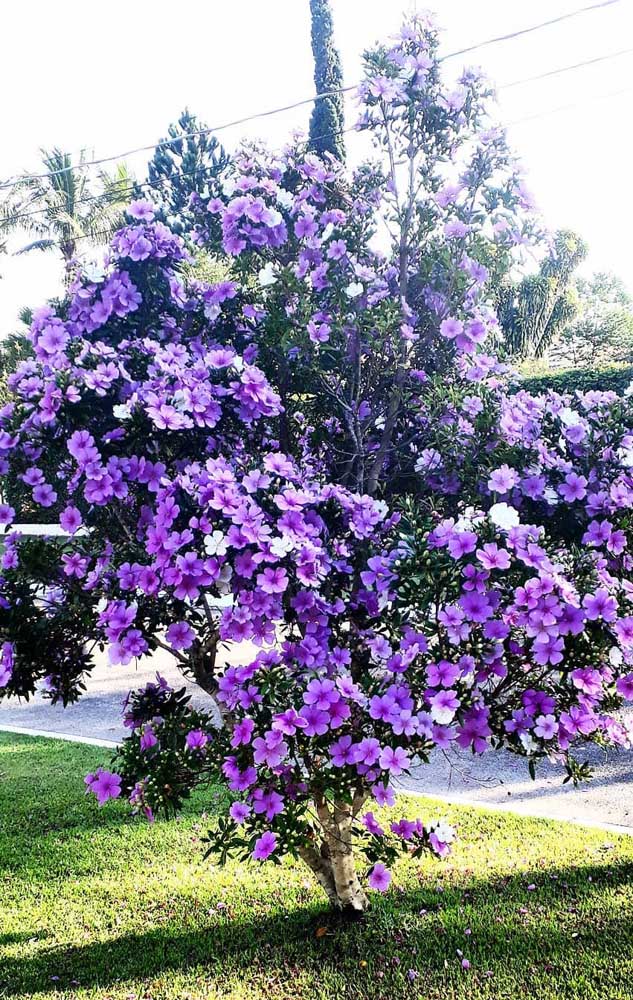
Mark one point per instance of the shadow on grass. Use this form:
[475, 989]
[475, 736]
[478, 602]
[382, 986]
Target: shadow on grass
[417, 927]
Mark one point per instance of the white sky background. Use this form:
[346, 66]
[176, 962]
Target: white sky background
[112, 76]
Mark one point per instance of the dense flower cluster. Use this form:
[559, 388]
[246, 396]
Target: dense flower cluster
[316, 454]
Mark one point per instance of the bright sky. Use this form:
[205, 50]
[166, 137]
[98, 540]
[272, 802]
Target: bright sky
[112, 76]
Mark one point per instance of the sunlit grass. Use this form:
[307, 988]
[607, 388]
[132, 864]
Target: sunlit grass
[95, 905]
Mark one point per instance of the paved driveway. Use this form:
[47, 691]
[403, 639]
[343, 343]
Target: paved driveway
[499, 780]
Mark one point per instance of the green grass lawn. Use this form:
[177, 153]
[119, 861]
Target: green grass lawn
[95, 904]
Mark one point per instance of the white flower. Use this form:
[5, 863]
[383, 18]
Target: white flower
[615, 656]
[211, 310]
[529, 744]
[469, 519]
[629, 389]
[273, 217]
[228, 186]
[550, 494]
[354, 289]
[268, 275]
[503, 516]
[94, 270]
[285, 198]
[443, 831]
[442, 714]
[215, 544]
[626, 457]
[281, 545]
[122, 411]
[179, 401]
[381, 508]
[327, 232]
[569, 417]
[427, 460]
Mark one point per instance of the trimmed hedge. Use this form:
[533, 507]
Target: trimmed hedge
[614, 378]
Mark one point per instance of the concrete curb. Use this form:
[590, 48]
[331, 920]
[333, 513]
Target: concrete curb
[91, 741]
[463, 800]
[455, 800]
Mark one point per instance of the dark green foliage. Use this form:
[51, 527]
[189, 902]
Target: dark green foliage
[613, 378]
[535, 310]
[328, 119]
[187, 166]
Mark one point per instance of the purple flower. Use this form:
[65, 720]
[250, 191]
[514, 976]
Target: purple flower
[600, 605]
[624, 632]
[474, 731]
[270, 749]
[70, 520]
[239, 812]
[242, 732]
[104, 784]
[394, 760]
[573, 488]
[546, 727]
[343, 752]
[141, 209]
[6, 663]
[273, 581]
[379, 877]
[264, 846]
[316, 722]
[492, 557]
[624, 686]
[502, 480]
[148, 738]
[180, 635]
[196, 739]
[44, 495]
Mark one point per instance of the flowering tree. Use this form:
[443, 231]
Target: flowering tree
[317, 454]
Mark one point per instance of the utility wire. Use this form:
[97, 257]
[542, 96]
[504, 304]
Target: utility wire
[534, 27]
[130, 185]
[297, 104]
[516, 121]
[565, 69]
[571, 107]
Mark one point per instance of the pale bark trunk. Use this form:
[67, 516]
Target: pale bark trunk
[321, 867]
[334, 866]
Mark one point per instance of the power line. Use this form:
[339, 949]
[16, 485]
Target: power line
[516, 121]
[570, 107]
[170, 142]
[129, 185]
[297, 104]
[565, 69]
[535, 27]
[108, 232]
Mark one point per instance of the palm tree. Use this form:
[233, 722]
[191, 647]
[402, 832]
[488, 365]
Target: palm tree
[60, 207]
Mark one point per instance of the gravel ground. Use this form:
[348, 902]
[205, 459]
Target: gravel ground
[499, 780]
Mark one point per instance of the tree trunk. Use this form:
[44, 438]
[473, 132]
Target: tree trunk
[334, 865]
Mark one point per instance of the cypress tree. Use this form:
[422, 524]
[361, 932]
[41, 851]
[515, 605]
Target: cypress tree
[327, 120]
